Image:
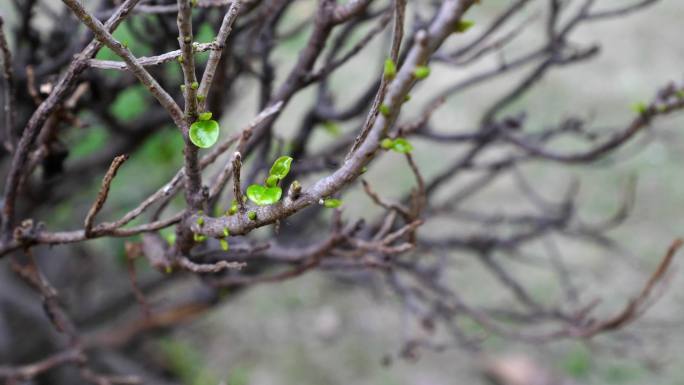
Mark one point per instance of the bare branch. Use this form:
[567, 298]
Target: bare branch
[8, 76]
[148, 61]
[102, 195]
[20, 155]
[215, 55]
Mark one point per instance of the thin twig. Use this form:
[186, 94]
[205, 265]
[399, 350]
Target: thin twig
[634, 308]
[148, 61]
[237, 189]
[193, 176]
[104, 36]
[215, 55]
[8, 75]
[102, 195]
[28, 372]
[205, 268]
[46, 108]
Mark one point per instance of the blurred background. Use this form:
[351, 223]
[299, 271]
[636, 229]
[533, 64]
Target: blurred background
[325, 329]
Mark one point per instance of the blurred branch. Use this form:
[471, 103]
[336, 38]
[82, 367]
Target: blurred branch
[9, 98]
[412, 237]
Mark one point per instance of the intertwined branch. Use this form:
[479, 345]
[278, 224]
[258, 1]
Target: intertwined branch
[391, 244]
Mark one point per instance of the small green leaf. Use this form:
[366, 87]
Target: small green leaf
[204, 116]
[640, 108]
[251, 215]
[200, 221]
[407, 98]
[464, 25]
[200, 98]
[281, 167]
[387, 143]
[390, 69]
[421, 72]
[262, 195]
[272, 181]
[204, 133]
[226, 232]
[402, 146]
[194, 85]
[332, 203]
[224, 244]
[384, 110]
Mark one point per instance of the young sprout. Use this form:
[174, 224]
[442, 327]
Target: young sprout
[332, 203]
[402, 146]
[464, 25]
[295, 190]
[281, 167]
[224, 244]
[205, 116]
[199, 238]
[271, 192]
[272, 181]
[399, 145]
[390, 69]
[640, 108]
[421, 72]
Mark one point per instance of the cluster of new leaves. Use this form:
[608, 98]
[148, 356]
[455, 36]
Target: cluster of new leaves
[270, 192]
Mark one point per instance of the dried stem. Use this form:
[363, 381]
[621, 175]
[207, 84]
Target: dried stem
[102, 195]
